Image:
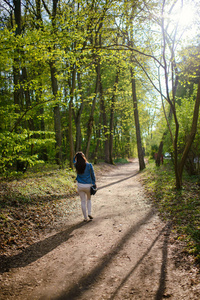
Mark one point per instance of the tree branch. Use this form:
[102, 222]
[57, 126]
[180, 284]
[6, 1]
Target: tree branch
[8, 3]
[46, 8]
[127, 48]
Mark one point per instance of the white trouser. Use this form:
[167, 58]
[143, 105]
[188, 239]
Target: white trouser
[84, 193]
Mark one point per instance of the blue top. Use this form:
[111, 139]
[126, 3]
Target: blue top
[88, 176]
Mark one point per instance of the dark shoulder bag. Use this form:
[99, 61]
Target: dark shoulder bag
[93, 188]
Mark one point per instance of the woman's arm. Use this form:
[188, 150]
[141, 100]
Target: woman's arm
[92, 174]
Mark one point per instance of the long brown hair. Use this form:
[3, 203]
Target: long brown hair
[80, 162]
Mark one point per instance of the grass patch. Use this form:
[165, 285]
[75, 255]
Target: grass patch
[31, 202]
[182, 207]
[121, 161]
[37, 186]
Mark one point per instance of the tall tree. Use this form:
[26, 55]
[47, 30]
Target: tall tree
[137, 123]
[112, 111]
[172, 44]
[134, 95]
[16, 63]
[54, 84]
[170, 38]
[72, 87]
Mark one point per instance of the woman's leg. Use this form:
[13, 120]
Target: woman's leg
[83, 203]
[89, 203]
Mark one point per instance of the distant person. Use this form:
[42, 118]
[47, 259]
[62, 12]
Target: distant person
[85, 179]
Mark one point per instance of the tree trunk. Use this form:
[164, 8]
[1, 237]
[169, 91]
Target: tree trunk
[135, 107]
[71, 142]
[190, 140]
[112, 119]
[98, 136]
[38, 11]
[159, 154]
[104, 118]
[17, 14]
[57, 118]
[78, 117]
[16, 70]
[91, 118]
[137, 123]
[27, 98]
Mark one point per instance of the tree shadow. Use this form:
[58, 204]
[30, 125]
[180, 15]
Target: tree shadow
[161, 288]
[118, 181]
[86, 281]
[37, 250]
[163, 273]
[18, 199]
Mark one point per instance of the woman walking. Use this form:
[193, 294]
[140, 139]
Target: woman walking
[85, 179]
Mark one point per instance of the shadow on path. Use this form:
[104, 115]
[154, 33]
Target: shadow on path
[163, 273]
[115, 182]
[37, 250]
[87, 280]
[41, 248]
[160, 291]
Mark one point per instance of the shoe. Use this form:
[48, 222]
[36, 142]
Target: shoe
[85, 220]
[90, 217]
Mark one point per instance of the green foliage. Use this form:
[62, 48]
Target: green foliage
[32, 201]
[121, 161]
[186, 104]
[18, 151]
[71, 43]
[38, 184]
[182, 207]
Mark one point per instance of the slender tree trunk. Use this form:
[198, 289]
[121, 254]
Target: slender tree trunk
[98, 70]
[78, 117]
[54, 84]
[16, 69]
[41, 125]
[190, 140]
[137, 123]
[112, 118]
[104, 119]
[27, 98]
[91, 118]
[103, 110]
[78, 132]
[135, 106]
[98, 137]
[71, 142]
[57, 118]
[17, 91]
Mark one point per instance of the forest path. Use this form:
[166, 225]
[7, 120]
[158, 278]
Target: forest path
[126, 252]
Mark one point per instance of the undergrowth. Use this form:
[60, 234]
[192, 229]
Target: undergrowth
[33, 202]
[37, 186]
[121, 161]
[182, 207]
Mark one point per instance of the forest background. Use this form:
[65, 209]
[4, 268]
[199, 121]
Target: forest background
[115, 79]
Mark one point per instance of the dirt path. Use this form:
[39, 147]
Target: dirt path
[126, 252]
